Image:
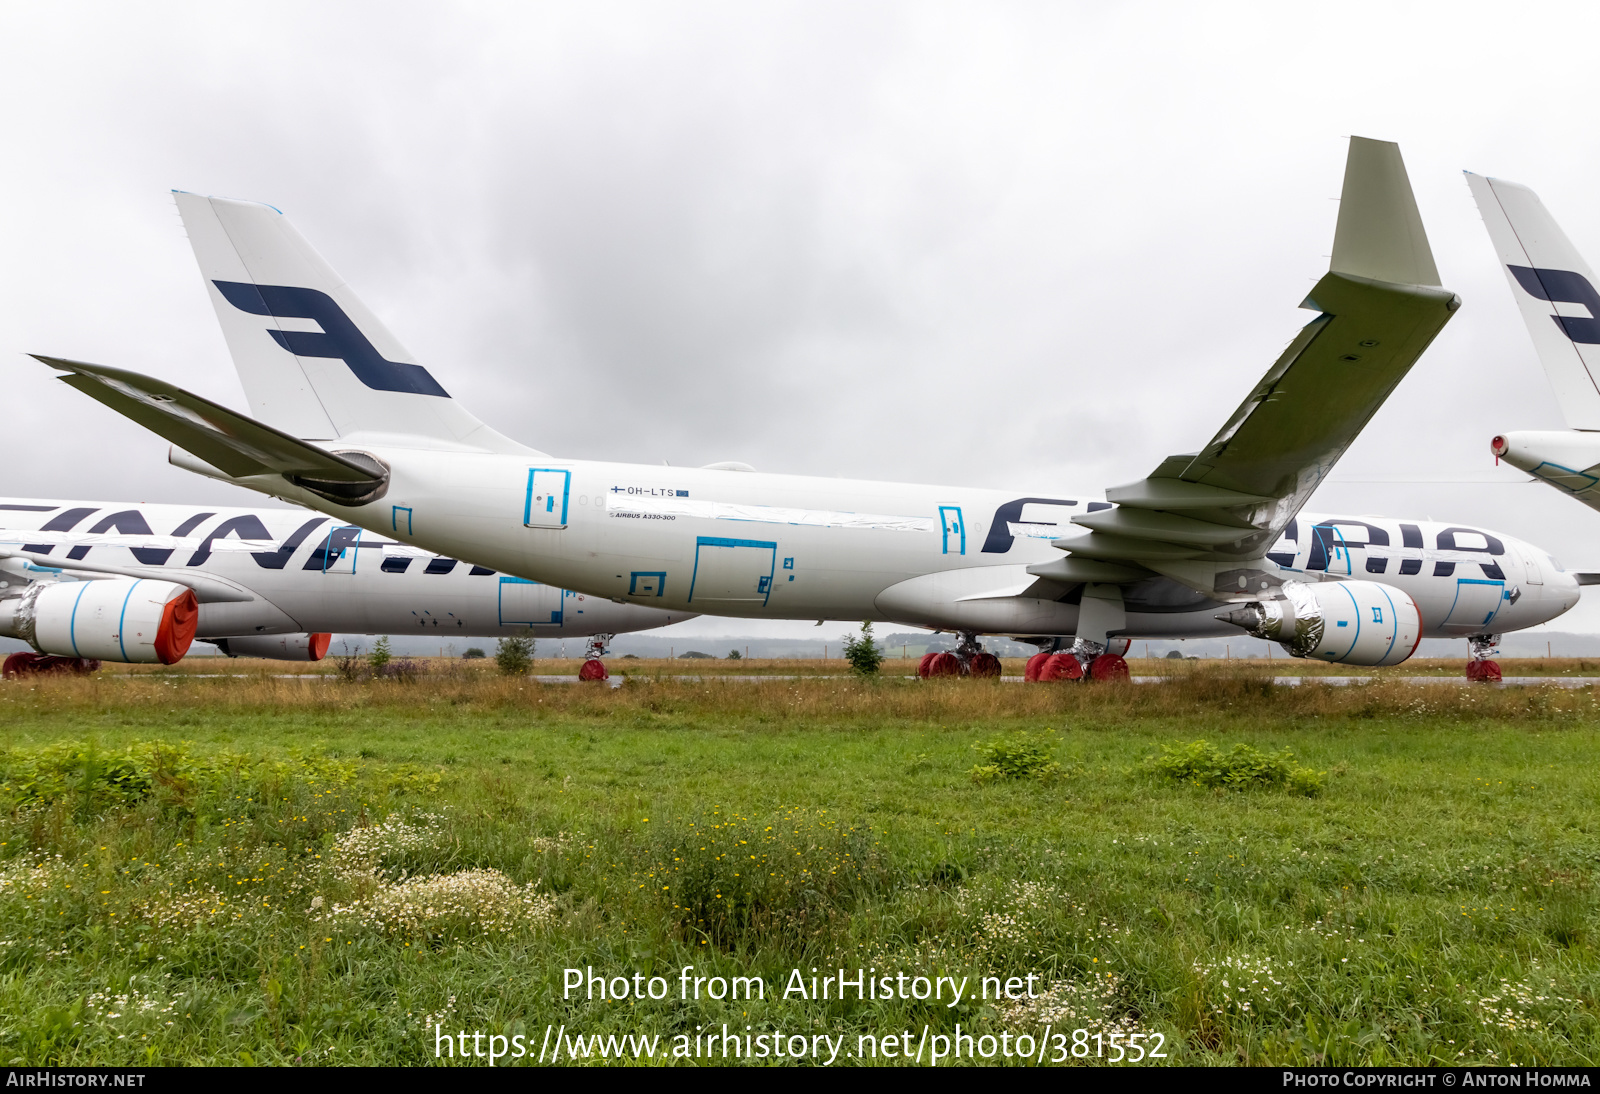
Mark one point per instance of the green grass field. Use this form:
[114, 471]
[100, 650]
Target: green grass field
[258, 870]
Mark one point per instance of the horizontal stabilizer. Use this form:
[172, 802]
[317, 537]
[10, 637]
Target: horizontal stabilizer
[237, 446]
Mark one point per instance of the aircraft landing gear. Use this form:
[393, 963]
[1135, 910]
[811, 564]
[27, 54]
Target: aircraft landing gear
[1481, 666]
[975, 660]
[593, 668]
[968, 659]
[1102, 660]
[38, 664]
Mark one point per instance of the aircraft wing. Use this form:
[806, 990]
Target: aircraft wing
[1379, 305]
[232, 443]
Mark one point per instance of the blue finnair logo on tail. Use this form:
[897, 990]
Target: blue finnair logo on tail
[1564, 287]
[339, 337]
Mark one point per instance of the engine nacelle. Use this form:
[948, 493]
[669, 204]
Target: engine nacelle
[1343, 622]
[130, 620]
[276, 647]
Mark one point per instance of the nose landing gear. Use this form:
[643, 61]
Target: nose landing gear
[593, 668]
[1480, 663]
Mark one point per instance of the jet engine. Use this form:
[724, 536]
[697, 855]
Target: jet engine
[276, 647]
[1343, 622]
[124, 619]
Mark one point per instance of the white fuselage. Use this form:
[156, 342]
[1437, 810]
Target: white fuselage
[788, 547]
[302, 572]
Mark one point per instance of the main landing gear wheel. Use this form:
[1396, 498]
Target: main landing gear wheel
[1031, 672]
[1481, 666]
[40, 664]
[1060, 666]
[922, 666]
[943, 664]
[593, 668]
[984, 664]
[1108, 666]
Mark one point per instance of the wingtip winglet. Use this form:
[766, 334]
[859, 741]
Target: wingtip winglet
[1380, 235]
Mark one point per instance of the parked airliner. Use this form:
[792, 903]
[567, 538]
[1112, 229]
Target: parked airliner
[1210, 541]
[137, 583]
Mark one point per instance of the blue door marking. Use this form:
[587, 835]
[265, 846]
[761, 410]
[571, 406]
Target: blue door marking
[1501, 585]
[552, 486]
[647, 583]
[555, 615]
[763, 581]
[951, 525]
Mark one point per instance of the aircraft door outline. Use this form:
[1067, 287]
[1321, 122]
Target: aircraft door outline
[340, 549]
[1473, 606]
[732, 570]
[951, 524]
[530, 603]
[545, 505]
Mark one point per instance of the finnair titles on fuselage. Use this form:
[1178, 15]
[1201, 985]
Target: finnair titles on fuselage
[1209, 542]
[268, 582]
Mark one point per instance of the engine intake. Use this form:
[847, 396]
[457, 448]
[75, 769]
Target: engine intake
[130, 620]
[1342, 622]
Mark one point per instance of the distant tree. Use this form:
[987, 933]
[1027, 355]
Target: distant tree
[513, 655]
[733, 655]
[695, 655]
[473, 652]
[381, 654]
[862, 652]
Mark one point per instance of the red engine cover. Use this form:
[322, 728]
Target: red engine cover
[176, 630]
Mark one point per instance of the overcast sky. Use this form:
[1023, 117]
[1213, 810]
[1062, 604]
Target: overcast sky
[1036, 247]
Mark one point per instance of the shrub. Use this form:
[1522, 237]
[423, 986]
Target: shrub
[695, 655]
[734, 655]
[1242, 767]
[472, 654]
[381, 654]
[1019, 756]
[862, 652]
[513, 655]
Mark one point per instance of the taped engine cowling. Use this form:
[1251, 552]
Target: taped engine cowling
[276, 647]
[130, 620]
[1342, 622]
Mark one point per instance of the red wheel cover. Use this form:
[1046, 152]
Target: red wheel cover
[593, 669]
[1031, 672]
[984, 664]
[944, 664]
[1060, 666]
[1108, 666]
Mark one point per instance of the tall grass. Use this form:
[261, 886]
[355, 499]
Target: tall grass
[276, 870]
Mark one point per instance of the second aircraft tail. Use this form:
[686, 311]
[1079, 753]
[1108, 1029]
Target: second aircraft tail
[1553, 287]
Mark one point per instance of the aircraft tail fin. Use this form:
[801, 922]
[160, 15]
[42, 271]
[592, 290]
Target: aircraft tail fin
[315, 362]
[1553, 287]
